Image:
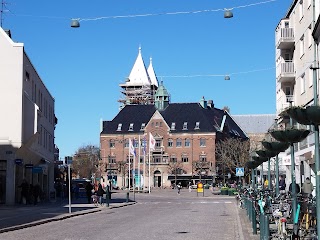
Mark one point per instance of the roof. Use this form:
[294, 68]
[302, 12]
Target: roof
[138, 75]
[152, 74]
[254, 124]
[210, 119]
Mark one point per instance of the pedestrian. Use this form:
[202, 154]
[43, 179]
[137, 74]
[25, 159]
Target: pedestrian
[24, 191]
[179, 187]
[266, 183]
[89, 189]
[297, 188]
[36, 193]
[282, 185]
[190, 187]
[307, 187]
[100, 192]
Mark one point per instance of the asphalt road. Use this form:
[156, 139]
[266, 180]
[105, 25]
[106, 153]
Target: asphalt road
[159, 215]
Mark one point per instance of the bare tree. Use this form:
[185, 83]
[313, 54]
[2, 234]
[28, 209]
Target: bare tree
[232, 153]
[122, 170]
[199, 167]
[86, 162]
[175, 168]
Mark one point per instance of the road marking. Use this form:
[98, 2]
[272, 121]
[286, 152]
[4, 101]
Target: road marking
[201, 202]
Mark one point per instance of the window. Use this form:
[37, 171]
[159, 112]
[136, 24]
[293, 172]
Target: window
[173, 159]
[184, 159]
[301, 46]
[27, 76]
[112, 143]
[143, 125]
[301, 9]
[131, 127]
[126, 143]
[197, 125]
[158, 143]
[173, 126]
[135, 143]
[310, 77]
[119, 127]
[303, 83]
[178, 142]
[187, 142]
[157, 124]
[203, 158]
[202, 142]
[309, 35]
[185, 126]
[157, 159]
[112, 159]
[170, 143]
[141, 159]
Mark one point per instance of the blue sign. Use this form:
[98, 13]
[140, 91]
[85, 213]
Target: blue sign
[240, 172]
[18, 161]
[37, 170]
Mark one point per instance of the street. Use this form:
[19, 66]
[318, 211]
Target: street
[160, 215]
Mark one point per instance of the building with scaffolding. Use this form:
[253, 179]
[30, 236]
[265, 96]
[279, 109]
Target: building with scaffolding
[141, 85]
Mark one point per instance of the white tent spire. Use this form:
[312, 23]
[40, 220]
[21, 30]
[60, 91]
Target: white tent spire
[152, 75]
[138, 75]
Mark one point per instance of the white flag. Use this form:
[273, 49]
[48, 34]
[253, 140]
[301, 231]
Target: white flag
[131, 148]
[152, 142]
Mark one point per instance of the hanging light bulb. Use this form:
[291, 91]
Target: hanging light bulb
[227, 77]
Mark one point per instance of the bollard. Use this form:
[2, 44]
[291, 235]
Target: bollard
[107, 198]
[262, 232]
[127, 198]
[266, 228]
[254, 221]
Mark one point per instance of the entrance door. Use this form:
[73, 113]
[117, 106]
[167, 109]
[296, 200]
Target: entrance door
[157, 181]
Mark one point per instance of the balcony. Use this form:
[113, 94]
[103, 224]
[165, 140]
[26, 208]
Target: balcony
[285, 38]
[285, 72]
[284, 103]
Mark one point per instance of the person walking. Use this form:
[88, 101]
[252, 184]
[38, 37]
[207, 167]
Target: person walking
[179, 187]
[100, 192]
[36, 193]
[282, 185]
[307, 187]
[24, 192]
[89, 189]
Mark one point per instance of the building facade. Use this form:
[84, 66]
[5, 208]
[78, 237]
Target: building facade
[27, 126]
[297, 70]
[185, 137]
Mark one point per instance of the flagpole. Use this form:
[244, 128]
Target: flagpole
[144, 162]
[134, 171]
[129, 177]
[149, 171]
[139, 165]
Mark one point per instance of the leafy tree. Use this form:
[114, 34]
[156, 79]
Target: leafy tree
[86, 162]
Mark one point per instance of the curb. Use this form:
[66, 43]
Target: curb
[62, 217]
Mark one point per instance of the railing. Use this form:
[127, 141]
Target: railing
[285, 34]
[285, 68]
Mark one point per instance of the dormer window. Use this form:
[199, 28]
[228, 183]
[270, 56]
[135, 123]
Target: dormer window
[119, 127]
[131, 127]
[197, 125]
[143, 125]
[173, 126]
[185, 126]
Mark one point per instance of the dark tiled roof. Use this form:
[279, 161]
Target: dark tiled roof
[210, 119]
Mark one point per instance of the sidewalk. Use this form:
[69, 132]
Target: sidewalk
[22, 216]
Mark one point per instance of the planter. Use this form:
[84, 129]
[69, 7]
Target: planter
[267, 153]
[224, 191]
[260, 159]
[231, 191]
[299, 115]
[313, 113]
[292, 135]
[276, 146]
[252, 164]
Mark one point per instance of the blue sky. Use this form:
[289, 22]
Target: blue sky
[83, 67]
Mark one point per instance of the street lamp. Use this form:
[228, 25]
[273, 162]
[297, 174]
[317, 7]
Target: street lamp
[75, 23]
[228, 13]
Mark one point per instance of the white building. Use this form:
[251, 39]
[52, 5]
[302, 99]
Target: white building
[296, 55]
[27, 123]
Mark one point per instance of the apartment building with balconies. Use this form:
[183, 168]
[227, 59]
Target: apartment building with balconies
[296, 61]
[27, 123]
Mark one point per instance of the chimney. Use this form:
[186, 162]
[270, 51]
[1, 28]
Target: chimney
[203, 103]
[8, 32]
[210, 104]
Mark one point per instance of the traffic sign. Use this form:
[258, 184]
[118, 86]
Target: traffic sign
[240, 172]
